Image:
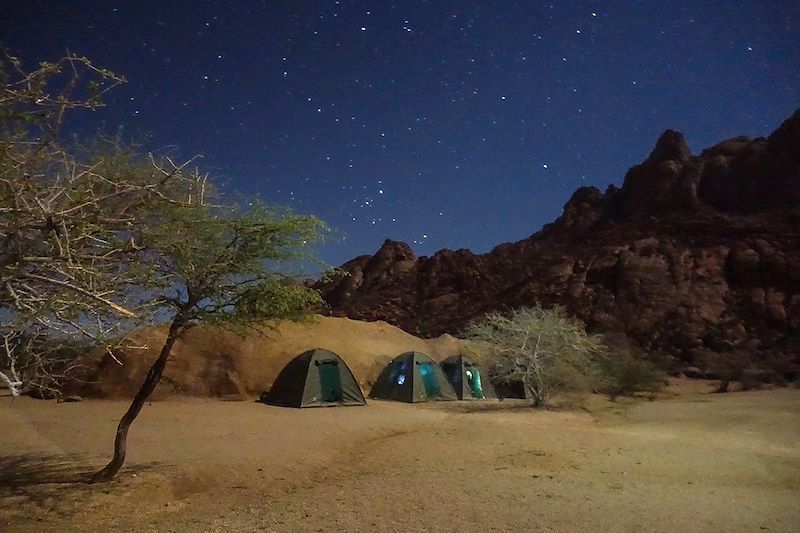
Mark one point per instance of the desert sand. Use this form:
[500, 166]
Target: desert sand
[690, 461]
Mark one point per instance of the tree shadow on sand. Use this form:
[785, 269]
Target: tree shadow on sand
[41, 479]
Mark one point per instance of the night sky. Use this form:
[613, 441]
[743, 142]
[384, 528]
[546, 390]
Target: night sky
[442, 124]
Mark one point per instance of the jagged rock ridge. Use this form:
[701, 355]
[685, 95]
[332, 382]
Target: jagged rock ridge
[693, 254]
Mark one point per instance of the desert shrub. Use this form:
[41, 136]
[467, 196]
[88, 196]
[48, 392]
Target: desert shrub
[625, 371]
[726, 367]
[757, 378]
[738, 366]
[625, 375]
[668, 363]
[752, 380]
[783, 366]
[543, 348]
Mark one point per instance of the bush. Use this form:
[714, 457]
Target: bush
[726, 367]
[625, 375]
[543, 348]
[625, 371]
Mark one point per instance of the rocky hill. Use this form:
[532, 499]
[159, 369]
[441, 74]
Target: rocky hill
[207, 361]
[693, 255]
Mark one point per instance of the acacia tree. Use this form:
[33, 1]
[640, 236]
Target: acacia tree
[543, 348]
[58, 219]
[220, 266]
[93, 239]
[69, 219]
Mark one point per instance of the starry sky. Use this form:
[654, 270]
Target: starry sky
[444, 124]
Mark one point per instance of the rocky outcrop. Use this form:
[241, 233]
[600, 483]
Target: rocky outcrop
[694, 254]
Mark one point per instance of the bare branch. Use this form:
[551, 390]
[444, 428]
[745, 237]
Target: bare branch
[83, 291]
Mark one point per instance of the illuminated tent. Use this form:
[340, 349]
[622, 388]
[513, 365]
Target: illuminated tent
[316, 378]
[412, 377]
[468, 379]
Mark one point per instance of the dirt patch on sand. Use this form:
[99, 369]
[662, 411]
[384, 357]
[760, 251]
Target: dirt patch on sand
[696, 462]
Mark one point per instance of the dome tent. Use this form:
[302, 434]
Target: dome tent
[412, 377]
[467, 378]
[316, 378]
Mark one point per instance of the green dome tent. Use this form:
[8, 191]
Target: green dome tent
[467, 378]
[412, 377]
[316, 378]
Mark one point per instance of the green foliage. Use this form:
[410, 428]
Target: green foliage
[228, 265]
[626, 375]
[64, 248]
[543, 348]
[727, 367]
[738, 367]
[97, 238]
[35, 102]
[625, 371]
[63, 217]
[91, 234]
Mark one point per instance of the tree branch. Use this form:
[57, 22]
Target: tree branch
[83, 291]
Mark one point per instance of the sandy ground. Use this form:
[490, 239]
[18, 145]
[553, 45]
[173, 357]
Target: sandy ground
[695, 462]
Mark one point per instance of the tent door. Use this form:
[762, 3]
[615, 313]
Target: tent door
[474, 382]
[432, 388]
[330, 381]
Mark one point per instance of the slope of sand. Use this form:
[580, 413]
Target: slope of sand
[208, 361]
[696, 462]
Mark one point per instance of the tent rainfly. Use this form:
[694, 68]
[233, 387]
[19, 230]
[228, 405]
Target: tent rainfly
[467, 378]
[412, 377]
[316, 378]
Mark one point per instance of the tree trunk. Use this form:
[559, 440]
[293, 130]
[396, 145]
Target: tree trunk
[536, 395]
[150, 382]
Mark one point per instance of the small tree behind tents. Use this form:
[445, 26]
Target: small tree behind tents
[542, 348]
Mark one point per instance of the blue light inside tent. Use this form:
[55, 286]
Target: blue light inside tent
[402, 377]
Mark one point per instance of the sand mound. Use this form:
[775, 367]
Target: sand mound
[208, 361]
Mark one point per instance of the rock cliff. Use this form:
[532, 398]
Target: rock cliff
[692, 255]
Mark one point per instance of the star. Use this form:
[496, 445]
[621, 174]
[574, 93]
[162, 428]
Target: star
[456, 108]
